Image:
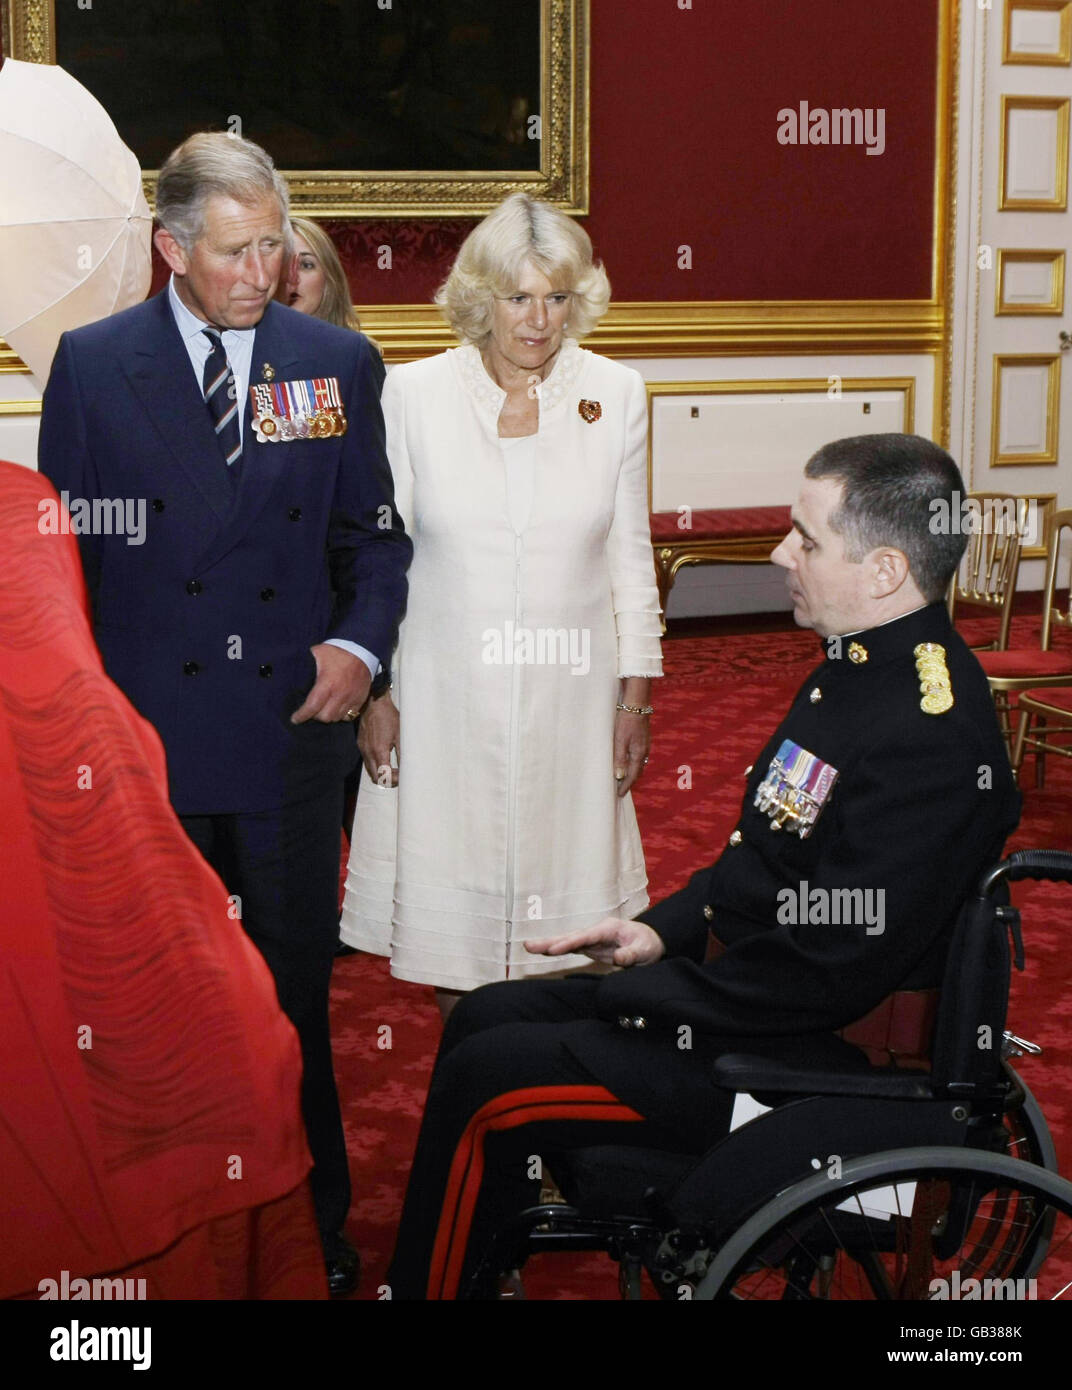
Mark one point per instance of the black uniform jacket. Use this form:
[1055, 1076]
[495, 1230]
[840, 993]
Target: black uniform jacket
[921, 805]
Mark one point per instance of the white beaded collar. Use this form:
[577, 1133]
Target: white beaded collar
[489, 397]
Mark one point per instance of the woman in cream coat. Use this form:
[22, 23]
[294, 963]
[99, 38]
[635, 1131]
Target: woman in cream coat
[494, 806]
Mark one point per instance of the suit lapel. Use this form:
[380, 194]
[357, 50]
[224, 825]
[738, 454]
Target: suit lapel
[159, 371]
[262, 464]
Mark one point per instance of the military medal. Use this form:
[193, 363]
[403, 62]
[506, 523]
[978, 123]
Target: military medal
[795, 789]
[589, 411]
[287, 410]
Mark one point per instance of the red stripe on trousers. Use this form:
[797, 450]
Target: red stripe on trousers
[507, 1111]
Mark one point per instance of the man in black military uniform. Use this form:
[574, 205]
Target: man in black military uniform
[866, 820]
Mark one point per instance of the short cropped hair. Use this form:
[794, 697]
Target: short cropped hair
[889, 485]
[488, 266]
[336, 306]
[213, 163]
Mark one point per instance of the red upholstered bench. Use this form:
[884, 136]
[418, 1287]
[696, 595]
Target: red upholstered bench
[729, 536]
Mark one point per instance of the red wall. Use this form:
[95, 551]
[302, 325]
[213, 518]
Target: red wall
[684, 150]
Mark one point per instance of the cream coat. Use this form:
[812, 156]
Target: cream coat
[505, 824]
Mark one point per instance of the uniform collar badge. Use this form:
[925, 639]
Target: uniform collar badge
[857, 653]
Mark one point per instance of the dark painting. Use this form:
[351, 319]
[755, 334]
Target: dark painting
[433, 85]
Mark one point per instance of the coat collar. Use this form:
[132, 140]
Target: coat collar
[891, 641]
[488, 397]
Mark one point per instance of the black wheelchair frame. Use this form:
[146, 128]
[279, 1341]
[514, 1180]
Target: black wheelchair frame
[963, 1148]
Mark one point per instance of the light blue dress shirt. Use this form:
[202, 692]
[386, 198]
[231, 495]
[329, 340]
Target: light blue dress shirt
[238, 345]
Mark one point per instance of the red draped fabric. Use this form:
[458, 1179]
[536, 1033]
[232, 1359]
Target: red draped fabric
[149, 1115]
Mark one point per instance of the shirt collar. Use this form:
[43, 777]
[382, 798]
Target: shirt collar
[190, 325]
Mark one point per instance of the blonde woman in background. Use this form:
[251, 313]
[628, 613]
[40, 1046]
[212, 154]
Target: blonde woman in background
[522, 676]
[316, 283]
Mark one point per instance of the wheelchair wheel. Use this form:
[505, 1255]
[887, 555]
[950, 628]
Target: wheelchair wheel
[910, 1224]
[1029, 1134]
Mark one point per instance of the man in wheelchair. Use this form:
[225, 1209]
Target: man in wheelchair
[819, 934]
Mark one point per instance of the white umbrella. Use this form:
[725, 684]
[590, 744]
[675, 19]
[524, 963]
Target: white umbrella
[74, 224]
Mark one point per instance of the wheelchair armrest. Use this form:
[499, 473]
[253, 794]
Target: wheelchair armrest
[739, 1072]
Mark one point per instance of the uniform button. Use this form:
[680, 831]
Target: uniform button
[815, 696]
[190, 668]
[267, 594]
[640, 1022]
[624, 1022]
[708, 912]
[158, 504]
[194, 586]
[736, 838]
[748, 769]
[264, 670]
[295, 513]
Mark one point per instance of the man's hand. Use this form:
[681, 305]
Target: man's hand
[342, 684]
[613, 941]
[377, 735]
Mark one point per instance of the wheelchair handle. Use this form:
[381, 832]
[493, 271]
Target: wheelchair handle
[1052, 864]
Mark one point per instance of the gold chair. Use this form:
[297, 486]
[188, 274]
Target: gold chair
[1049, 702]
[988, 572]
[1020, 670]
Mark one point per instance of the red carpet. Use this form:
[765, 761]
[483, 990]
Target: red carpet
[721, 698]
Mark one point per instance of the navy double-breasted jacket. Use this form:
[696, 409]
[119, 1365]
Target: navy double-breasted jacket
[207, 620]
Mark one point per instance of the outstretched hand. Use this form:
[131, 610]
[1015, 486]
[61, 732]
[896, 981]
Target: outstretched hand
[614, 941]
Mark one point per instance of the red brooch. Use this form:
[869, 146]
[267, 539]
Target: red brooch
[589, 411]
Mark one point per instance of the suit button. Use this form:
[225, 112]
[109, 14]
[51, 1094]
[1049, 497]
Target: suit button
[295, 513]
[624, 1022]
[194, 586]
[709, 913]
[267, 594]
[640, 1022]
[190, 668]
[158, 504]
[264, 670]
[736, 838]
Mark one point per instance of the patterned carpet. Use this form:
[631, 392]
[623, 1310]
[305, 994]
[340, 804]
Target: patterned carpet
[720, 699]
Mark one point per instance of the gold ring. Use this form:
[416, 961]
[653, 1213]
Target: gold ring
[351, 714]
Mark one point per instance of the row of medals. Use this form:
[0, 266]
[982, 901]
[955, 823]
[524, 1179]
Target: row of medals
[322, 425]
[934, 679]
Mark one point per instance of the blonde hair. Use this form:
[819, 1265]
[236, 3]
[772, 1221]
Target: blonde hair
[522, 230]
[335, 305]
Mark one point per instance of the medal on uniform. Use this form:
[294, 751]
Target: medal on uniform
[302, 409]
[795, 789]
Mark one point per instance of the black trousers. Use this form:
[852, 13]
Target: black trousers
[508, 1090]
[284, 866]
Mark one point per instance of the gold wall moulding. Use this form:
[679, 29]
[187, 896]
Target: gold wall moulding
[20, 408]
[1047, 452]
[777, 386]
[699, 329]
[1047, 505]
[1053, 303]
[561, 176]
[1057, 199]
[1058, 56]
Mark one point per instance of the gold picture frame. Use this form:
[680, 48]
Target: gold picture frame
[1055, 259]
[1059, 201]
[1063, 56]
[1048, 454]
[1047, 505]
[561, 179]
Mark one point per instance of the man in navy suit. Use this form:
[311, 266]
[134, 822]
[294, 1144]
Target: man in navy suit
[249, 611]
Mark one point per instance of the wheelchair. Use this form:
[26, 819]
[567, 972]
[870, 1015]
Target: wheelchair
[878, 1183]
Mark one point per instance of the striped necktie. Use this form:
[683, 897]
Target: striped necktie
[220, 393]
